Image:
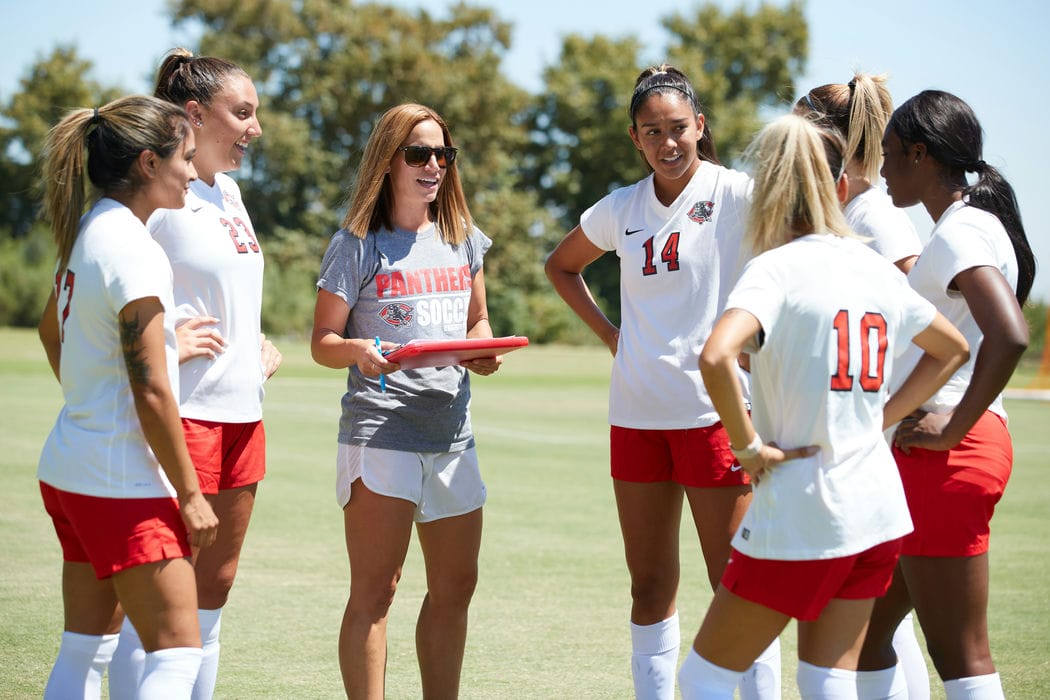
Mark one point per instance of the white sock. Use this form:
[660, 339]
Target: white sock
[129, 662]
[821, 683]
[987, 687]
[910, 658]
[700, 679]
[211, 622]
[762, 680]
[654, 658]
[887, 684]
[170, 673]
[78, 669]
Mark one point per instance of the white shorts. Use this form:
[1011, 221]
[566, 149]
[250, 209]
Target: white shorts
[441, 484]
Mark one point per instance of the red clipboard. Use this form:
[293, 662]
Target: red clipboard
[441, 353]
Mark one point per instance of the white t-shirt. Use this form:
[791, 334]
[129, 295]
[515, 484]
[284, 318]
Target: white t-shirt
[218, 268]
[872, 214]
[97, 447]
[834, 314]
[965, 237]
[677, 263]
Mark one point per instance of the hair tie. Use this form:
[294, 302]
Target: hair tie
[977, 165]
[95, 118]
[640, 95]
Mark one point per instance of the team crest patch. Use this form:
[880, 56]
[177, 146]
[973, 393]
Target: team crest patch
[397, 314]
[701, 212]
[231, 200]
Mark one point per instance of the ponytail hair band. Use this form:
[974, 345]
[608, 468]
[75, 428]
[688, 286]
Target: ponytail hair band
[95, 118]
[976, 165]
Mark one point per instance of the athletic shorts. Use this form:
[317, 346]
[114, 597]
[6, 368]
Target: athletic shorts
[441, 484]
[697, 457]
[952, 494]
[226, 455]
[113, 534]
[802, 589]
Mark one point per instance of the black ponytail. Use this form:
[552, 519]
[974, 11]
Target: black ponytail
[952, 136]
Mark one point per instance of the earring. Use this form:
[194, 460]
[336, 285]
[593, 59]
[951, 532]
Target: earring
[200, 123]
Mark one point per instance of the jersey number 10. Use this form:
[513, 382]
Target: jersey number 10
[873, 342]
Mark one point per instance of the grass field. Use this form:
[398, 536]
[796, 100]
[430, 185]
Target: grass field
[549, 618]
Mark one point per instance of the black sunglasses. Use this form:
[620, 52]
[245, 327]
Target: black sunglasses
[418, 156]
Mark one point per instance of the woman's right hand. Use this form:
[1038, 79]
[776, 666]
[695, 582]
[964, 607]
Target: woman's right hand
[196, 338]
[200, 520]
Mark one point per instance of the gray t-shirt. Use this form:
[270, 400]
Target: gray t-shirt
[402, 285]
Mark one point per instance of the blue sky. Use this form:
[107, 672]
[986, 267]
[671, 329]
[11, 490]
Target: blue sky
[992, 54]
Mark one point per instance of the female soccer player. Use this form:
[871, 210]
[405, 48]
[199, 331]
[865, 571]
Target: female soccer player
[955, 454]
[218, 268]
[821, 316]
[407, 264]
[859, 111]
[679, 235]
[115, 474]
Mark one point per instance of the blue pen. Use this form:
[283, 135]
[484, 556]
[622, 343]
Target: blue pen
[382, 377]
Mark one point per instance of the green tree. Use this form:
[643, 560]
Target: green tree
[326, 69]
[50, 87]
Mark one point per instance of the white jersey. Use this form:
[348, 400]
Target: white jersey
[677, 263]
[872, 214]
[97, 447]
[834, 314]
[965, 237]
[218, 267]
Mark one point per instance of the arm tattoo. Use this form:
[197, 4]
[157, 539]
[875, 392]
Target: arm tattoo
[131, 343]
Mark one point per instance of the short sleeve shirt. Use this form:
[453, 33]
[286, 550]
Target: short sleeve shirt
[677, 264]
[402, 285]
[97, 447]
[834, 315]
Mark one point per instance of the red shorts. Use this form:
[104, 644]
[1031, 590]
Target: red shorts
[802, 589]
[952, 494]
[698, 457]
[226, 455]
[113, 534]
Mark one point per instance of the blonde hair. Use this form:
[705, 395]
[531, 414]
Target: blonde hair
[113, 136]
[371, 199]
[859, 110]
[795, 186]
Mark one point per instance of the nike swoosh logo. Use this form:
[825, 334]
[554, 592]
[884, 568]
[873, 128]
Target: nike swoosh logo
[735, 468]
[629, 231]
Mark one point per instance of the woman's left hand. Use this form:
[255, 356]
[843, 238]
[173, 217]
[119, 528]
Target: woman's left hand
[771, 456]
[271, 357]
[925, 430]
[483, 365]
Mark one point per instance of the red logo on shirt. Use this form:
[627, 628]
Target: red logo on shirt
[701, 212]
[397, 314]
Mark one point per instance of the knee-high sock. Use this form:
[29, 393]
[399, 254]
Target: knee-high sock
[887, 684]
[821, 683]
[169, 674]
[211, 622]
[910, 658]
[654, 658]
[80, 665]
[700, 679]
[129, 662]
[987, 687]
[762, 680]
